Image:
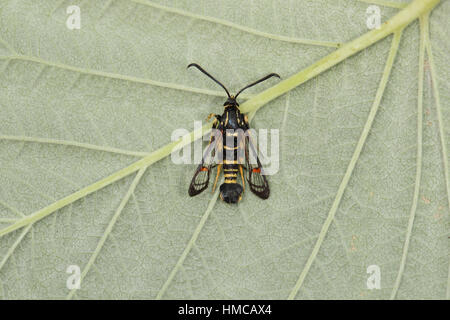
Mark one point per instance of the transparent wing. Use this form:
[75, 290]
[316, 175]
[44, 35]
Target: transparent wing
[201, 177]
[256, 180]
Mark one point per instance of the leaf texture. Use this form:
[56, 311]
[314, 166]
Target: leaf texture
[364, 152]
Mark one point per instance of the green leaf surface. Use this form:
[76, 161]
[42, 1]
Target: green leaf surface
[87, 117]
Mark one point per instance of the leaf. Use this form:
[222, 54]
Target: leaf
[87, 115]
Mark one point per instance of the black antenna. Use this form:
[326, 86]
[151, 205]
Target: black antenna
[203, 70]
[256, 82]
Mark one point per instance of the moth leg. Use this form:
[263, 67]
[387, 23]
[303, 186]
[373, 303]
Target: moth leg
[210, 116]
[242, 176]
[217, 177]
[216, 116]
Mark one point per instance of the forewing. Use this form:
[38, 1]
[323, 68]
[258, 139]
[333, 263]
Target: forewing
[256, 180]
[202, 174]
